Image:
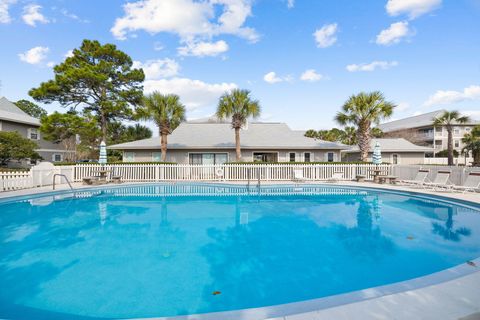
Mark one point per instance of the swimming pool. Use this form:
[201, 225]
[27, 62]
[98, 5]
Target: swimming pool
[175, 249]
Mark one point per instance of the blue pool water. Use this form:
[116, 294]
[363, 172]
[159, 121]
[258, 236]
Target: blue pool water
[164, 250]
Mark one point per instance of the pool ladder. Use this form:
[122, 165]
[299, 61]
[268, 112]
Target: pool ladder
[258, 178]
[66, 179]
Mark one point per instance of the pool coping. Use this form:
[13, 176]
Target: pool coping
[352, 304]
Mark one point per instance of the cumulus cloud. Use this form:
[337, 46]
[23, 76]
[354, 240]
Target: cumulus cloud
[311, 75]
[290, 4]
[32, 15]
[4, 7]
[202, 49]
[442, 97]
[413, 8]
[187, 18]
[326, 35]
[393, 34]
[193, 93]
[35, 55]
[371, 66]
[68, 54]
[272, 78]
[160, 68]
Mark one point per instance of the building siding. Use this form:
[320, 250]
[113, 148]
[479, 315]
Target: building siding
[403, 157]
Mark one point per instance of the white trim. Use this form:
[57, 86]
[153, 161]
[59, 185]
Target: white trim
[312, 156]
[54, 156]
[399, 158]
[35, 131]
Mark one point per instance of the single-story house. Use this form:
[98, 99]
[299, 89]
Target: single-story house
[394, 150]
[212, 141]
[13, 118]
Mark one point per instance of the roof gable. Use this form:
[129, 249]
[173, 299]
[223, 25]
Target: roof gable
[10, 112]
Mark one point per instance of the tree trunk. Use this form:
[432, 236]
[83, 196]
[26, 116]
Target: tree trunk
[237, 144]
[164, 146]
[364, 141]
[450, 147]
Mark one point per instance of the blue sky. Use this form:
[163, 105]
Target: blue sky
[301, 59]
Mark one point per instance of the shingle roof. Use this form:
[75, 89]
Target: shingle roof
[393, 145]
[10, 112]
[207, 135]
[422, 120]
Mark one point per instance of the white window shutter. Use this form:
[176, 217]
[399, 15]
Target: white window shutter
[326, 157]
[335, 157]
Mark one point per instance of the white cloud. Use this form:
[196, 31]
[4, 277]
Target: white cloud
[193, 93]
[272, 77]
[73, 16]
[4, 7]
[202, 49]
[31, 15]
[442, 97]
[161, 68]
[35, 55]
[311, 75]
[414, 8]
[326, 35]
[69, 54]
[402, 106]
[187, 18]
[371, 66]
[290, 4]
[51, 64]
[393, 34]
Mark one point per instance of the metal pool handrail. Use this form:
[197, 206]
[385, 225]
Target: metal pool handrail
[61, 175]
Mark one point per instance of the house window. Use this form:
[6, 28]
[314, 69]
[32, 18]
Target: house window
[307, 157]
[395, 158]
[33, 134]
[330, 157]
[128, 156]
[156, 156]
[456, 131]
[208, 158]
[57, 157]
[291, 156]
[467, 129]
[265, 157]
[457, 143]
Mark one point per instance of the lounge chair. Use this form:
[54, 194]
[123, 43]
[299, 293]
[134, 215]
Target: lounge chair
[442, 180]
[336, 176]
[298, 175]
[419, 179]
[472, 183]
[115, 177]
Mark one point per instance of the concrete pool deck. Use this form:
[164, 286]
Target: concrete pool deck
[450, 294]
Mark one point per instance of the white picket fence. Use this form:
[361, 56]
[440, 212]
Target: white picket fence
[227, 172]
[42, 175]
[444, 161]
[14, 180]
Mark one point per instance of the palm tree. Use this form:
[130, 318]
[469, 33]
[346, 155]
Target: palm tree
[166, 111]
[349, 136]
[239, 106]
[448, 119]
[471, 143]
[361, 111]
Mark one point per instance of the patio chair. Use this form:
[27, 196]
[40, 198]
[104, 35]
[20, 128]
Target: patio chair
[338, 175]
[419, 179]
[442, 180]
[472, 183]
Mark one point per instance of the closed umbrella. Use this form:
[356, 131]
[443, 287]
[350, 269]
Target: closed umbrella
[103, 153]
[377, 154]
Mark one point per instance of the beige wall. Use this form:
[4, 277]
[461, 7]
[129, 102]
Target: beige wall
[403, 157]
[182, 156]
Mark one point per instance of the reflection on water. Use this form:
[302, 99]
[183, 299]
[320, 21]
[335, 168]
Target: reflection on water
[163, 250]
